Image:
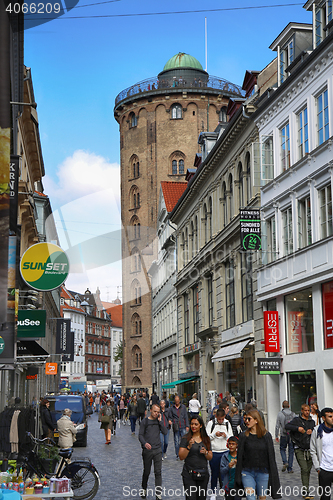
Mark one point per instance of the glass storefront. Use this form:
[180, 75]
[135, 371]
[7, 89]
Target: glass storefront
[302, 389]
[299, 322]
[235, 377]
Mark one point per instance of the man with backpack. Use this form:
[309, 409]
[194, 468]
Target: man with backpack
[141, 408]
[219, 430]
[284, 417]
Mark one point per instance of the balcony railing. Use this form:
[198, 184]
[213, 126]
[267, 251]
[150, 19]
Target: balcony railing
[213, 82]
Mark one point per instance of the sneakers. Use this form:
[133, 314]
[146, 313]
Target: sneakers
[165, 455]
[290, 471]
[162, 458]
[284, 468]
[177, 458]
[143, 493]
[158, 497]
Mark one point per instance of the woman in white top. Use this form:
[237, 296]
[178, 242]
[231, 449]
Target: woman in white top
[194, 406]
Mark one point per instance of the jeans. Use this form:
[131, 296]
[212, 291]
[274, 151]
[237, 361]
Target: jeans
[133, 421]
[164, 441]
[177, 436]
[284, 442]
[258, 481]
[325, 481]
[97, 408]
[215, 469]
[304, 460]
[148, 457]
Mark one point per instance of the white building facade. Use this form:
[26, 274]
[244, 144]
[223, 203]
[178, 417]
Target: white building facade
[296, 279]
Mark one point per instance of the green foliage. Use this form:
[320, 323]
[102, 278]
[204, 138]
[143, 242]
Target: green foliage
[119, 357]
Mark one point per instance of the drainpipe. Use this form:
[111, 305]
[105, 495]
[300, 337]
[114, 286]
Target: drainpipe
[208, 115]
[244, 114]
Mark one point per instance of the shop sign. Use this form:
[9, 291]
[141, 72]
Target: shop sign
[190, 348]
[44, 267]
[65, 339]
[271, 331]
[13, 191]
[51, 369]
[327, 290]
[99, 370]
[269, 366]
[31, 323]
[250, 229]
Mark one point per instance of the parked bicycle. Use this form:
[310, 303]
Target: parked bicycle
[84, 477]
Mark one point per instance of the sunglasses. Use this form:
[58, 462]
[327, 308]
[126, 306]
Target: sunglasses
[248, 419]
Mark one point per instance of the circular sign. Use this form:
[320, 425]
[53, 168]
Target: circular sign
[2, 345]
[252, 242]
[44, 267]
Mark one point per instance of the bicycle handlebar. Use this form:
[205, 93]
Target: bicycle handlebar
[40, 441]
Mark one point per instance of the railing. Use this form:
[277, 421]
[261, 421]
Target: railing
[212, 82]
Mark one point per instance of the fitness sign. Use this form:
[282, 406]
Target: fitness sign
[250, 229]
[44, 267]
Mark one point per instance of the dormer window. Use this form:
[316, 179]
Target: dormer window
[323, 16]
[287, 55]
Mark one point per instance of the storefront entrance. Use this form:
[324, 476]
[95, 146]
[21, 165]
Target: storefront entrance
[302, 389]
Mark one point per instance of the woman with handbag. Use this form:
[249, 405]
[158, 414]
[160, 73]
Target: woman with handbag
[256, 470]
[196, 451]
[106, 418]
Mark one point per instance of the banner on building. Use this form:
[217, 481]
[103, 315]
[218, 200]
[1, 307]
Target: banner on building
[31, 324]
[51, 368]
[65, 339]
[271, 331]
[250, 229]
[13, 191]
[327, 289]
[269, 366]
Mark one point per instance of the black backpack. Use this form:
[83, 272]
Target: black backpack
[214, 423]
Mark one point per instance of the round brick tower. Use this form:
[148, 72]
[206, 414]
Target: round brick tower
[160, 120]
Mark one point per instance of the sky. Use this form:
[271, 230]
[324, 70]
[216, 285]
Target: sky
[80, 65]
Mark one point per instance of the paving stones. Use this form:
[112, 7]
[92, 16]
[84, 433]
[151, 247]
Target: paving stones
[120, 467]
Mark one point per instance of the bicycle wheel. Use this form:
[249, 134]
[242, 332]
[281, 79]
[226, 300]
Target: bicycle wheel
[85, 483]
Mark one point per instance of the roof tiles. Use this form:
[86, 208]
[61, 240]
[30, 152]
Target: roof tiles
[172, 191]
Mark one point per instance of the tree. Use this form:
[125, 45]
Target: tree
[119, 357]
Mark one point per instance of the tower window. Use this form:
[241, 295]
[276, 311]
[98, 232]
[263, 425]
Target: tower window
[133, 120]
[176, 112]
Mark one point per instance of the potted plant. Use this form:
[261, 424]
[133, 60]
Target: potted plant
[48, 456]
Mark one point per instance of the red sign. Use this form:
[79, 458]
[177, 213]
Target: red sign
[31, 377]
[271, 331]
[327, 289]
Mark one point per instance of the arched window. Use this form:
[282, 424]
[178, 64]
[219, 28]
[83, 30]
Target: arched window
[174, 167]
[134, 171]
[177, 162]
[136, 357]
[135, 230]
[138, 200]
[181, 167]
[223, 114]
[224, 204]
[135, 261]
[205, 221]
[136, 292]
[133, 120]
[136, 325]
[176, 112]
[136, 382]
[241, 185]
[231, 198]
[248, 178]
[210, 217]
[134, 197]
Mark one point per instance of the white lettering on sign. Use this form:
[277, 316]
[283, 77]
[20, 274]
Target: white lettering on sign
[271, 331]
[329, 327]
[28, 322]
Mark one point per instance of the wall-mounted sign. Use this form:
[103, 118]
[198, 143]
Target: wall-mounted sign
[191, 348]
[13, 191]
[44, 266]
[31, 323]
[250, 229]
[327, 289]
[271, 331]
[65, 339]
[51, 368]
[269, 366]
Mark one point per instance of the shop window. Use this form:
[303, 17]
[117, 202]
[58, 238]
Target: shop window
[327, 290]
[235, 378]
[302, 389]
[299, 322]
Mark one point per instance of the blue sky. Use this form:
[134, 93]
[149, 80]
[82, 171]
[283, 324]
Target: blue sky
[80, 65]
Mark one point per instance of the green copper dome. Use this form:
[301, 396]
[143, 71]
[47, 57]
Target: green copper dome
[182, 60]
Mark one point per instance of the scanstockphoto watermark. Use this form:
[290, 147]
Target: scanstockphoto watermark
[177, 492]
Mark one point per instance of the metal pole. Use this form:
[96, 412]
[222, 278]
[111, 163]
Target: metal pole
[206, 56]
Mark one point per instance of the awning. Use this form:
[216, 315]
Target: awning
[30, 348]
[177, 382]
[231, 351]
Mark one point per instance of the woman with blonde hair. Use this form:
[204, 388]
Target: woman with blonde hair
[256, 469]
[194, 406]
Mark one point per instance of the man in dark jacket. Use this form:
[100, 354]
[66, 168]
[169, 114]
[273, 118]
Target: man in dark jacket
[149, 437]
[141, 408]
[301, 428]
[47, 423]
[179, 421]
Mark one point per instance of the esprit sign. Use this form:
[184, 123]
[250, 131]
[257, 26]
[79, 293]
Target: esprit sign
[31, 324]
[271, 331]
[44, 267]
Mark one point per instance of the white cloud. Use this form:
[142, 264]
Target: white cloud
[86, 201]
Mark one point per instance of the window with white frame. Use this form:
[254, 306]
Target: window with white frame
[176, 112]
[325, 203]
[287, 221]
[323, 16]
[303, 136]
[230, 294]
[304, 223]
[322, 117]
[285, 147]
[114, 335]
[89, 348]
[286, 58]
[89, 366]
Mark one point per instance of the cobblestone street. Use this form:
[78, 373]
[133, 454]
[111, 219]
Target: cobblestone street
[120, 466]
